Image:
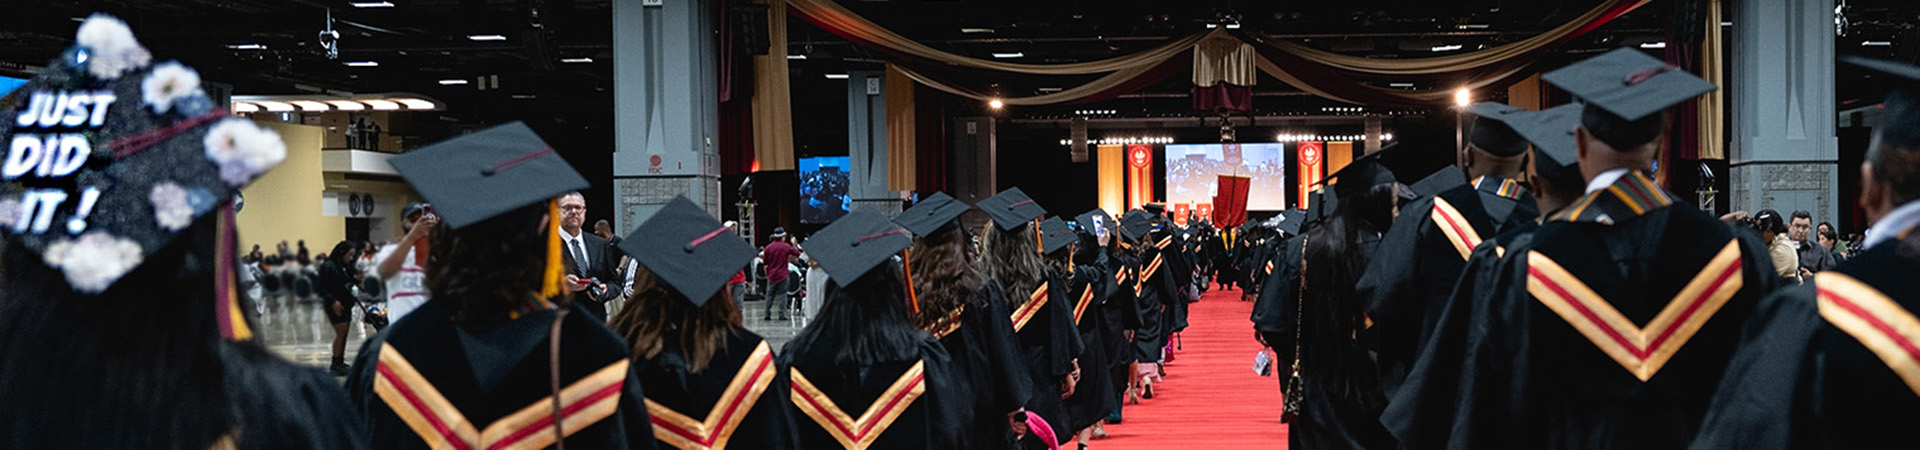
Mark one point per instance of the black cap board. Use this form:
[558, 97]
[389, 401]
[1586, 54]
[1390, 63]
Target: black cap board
[931, 214]
[1320, 204]
[1097, 217]
[1493, 132]
[1552, 133]
[476, 177]
[1361, 174]
[1291, 220]
[1628, 83]
[1439, 181]
[850, 247]
[688, 249]
[1011, 208]
[122, 156]
[1135, 224]
[1055, 235]
[1155, 208]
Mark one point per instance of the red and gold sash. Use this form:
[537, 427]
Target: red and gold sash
[442, 426]
[948, 324]
[1269, 268]
[1641, 351]
[1881, 325]
[1034, 301]
[1086, 298]
[858, 434]
[742, 393]
[1455, 226]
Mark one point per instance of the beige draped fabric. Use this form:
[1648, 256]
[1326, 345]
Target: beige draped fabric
[1431, 96]
[832, 16]
[900, 131]
[1089, 89]
[1454, 63]
[1712, 133]
[772, 97]
[1223, 58]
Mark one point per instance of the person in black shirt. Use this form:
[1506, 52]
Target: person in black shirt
[337, 276]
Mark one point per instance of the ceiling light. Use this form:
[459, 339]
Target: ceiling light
[1445, 48]
[414, 103]
[486, 37]
[1050, 89]
[274, 106]
[453, 82]
[1212, 26]
[523, 96]
[1233, 26]
[836, 76]
[1463, 97]
[1009, 55]
[382, 105]
[247, 47]
[363, 64]
[347, 105]
[243, 107]
[996, 104]
[1400, 85]
[1472, 26]
[1876, 44]
[371, 4]
[796, 56]
[976, 30]
[310, 106]
[576, 60]
[1661, 44]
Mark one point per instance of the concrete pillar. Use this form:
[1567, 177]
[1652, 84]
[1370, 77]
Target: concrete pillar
[1784, 149]
[867, 143]
[666, 108]
[974, 157]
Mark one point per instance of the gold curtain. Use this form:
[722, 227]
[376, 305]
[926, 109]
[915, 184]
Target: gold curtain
[1223, 59]
[900, 131]
[1454, 63]
[1712, 134]
[772, 97]
[832, 16]
[1112, 178]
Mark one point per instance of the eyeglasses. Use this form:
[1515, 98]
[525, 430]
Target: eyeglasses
[573, 207]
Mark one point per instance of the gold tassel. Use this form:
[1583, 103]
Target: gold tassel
[1036, 238]
[906, 266]
[556, 274]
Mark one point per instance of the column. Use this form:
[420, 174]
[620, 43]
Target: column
[1372, 126]
[1784, 149]
[974, 156]
[665, 108]
[867, 143]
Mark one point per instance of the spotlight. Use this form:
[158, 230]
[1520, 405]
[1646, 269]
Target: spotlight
[1463, 97]
[996, 104]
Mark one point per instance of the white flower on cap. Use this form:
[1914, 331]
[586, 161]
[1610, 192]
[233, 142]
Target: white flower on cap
[111, 48]
[243, 150]
[170, 206]
[168, 82]
[95, 261]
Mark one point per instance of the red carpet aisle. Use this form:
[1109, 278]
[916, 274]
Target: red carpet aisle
[1210, 398]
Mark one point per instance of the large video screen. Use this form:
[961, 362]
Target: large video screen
[823, 189]
[1193, 172]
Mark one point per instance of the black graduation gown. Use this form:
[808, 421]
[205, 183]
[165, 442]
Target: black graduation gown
[1154, 297]
[986, 356]
[907, 404]
[742, 399]
[1817, 370]
[1325, 421]
[1273, 310]
[1094, 397]
[1178, 271]
[1507, 368]
[1048, 344]
[279, 404]
[1122, 317]
[1405, 288]
[425, 381]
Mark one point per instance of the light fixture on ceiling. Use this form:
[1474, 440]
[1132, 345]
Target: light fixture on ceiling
[486, 37]
[1660, 44]
[1233, 26]
[347, 105]
[1050, 89]
[453, 82]
[1446, 48]
[363, 64]
[245, 108]
[1400, 85]
[371, 4]
[1462, 97]
[310, 106]
[1213, 26]
[1009, 55]
[576, 60]
[976, 30]
[523, 96]
[836, 76]
[796, 56]
[1876, 44]
[247, 47]
[414, 103]
[1471, 26]
[274, 106]
[382, 105]
[996, 104]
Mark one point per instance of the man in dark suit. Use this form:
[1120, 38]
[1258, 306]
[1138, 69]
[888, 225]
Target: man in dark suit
[590, 269]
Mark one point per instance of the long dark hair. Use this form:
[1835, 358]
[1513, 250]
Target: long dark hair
[657, 312]
[871, 318]
[944, 278]
[340, 253]
[137, 366]
[481, 272]
[1331, 315]
[1013, 262]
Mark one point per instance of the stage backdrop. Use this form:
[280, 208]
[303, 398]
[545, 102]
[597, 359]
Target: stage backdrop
[1193, 172]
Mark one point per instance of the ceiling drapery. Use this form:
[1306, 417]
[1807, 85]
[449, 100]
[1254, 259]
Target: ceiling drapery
[1605, 12]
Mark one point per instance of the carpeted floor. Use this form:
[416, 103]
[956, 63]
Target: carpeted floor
[1211, 397]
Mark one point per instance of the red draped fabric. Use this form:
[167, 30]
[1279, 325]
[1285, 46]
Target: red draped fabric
[1223, 97]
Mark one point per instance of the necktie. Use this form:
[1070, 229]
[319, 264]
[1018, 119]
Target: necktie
[579, 256]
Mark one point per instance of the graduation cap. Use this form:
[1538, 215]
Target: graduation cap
[1492, 130]
[1155, 208]
[1320, 204]
[1628, 83]
[1011, 208]
[688, 249]
[1552, 133]
[1439, 181]
[1291, 220]
[1055, 235]
[1088, 220]
[111, 157]
[931, 214]
[850, 247]
[1362, 174]
[476, 177]
[1135, 224]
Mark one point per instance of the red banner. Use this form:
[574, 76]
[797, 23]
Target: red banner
[1139, 175]
[1312, 156]
[1229, 207]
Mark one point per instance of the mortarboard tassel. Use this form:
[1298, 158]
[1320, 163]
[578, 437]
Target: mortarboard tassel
[556, 274]
[229, 315]
[906, 270]
[1036, 237]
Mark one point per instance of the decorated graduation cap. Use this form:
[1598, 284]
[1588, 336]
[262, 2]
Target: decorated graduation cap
[1096, 218]
[476, 177]
[1492, 130]
[111, 157]
[850, 247]
[1439, 181]
[1552, 133]
[931, 214]
[1055, 235]
[1135, 224]
[688, 249]
[1623, 87]
[1011, 208]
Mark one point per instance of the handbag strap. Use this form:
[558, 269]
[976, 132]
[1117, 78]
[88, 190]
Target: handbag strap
[1300, 305]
